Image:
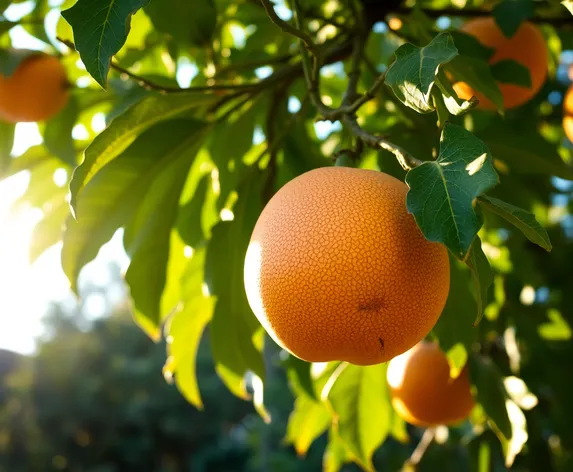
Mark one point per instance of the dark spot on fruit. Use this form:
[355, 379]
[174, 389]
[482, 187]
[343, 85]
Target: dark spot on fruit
[372, 305]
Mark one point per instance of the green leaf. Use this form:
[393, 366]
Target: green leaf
[229, 158]
[49, 230]
[557, 329]
[298, 373]
[190, 23]
[509, 14]
[234, 324]
[58, 133]
[453, 103]
[491, 393]
[6, 145]
[186, 329]
[471, 66]
[509, 71]
[336, 454]
[524, 150]
[189, 220]
[100, 30]
[147, 236]
[568, 4]
[360, 400]
[413, 74]
[521, 219]
[111, 197]
[442, 192]
[10, 59]
[455, 324]
[481, 275]
[308, 420]
[123, 130]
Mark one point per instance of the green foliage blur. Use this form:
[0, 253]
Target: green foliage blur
[184, 118]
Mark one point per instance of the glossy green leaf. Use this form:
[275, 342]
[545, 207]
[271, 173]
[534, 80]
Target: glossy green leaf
[190, 23]
[100, 30]
[509, 71]
[112, 196]
[521, 219]
[509, 14]
[471, 66]
[491, 392]
[147, 235]
[455, 105]
[413, 74]
[308, 420]
[556, 329]
[360, 400]
[58, 133]
[455, 324]
[186, 329]
[336, 454]
[298, 373]
[481, 275]
[6, 144]
[234, 324]
[124, 130]
[442, 192]
[189, 223]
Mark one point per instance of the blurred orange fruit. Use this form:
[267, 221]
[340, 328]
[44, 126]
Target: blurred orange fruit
[36, 91]
[422, 391]
[527, 47]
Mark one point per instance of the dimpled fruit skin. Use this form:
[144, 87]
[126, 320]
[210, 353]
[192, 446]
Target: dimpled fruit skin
[36, 91]
[422, 391]
[337, 269]
[527, 46]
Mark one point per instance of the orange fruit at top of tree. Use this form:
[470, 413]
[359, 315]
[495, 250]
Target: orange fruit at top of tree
[527, 47]
[568, 113]
[422, 391]
[36, 91]
[337, 269]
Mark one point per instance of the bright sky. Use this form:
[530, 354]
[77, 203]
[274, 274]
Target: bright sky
[26, 290]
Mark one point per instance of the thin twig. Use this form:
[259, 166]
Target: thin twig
[421, 449]
[288, 28]
[566, 20]
[406, 160]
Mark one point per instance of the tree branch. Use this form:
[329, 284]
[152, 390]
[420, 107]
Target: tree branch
[566, 20]
[406, 160]
[288, 28]
[421, 449]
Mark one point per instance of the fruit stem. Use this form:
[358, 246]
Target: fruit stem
[420, 450]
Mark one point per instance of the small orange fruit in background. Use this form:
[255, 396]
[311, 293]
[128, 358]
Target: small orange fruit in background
[337, 268]
[527, 47]
[568, 113]
[422, 391]
[36, 91]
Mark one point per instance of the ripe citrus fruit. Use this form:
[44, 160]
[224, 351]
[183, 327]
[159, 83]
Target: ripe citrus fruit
[568, 113]
[422, 391]
[337, 268]
[527, 47]
[36, 91]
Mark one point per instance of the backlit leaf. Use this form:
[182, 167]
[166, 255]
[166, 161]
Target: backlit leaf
[100, 30]
[442, 192]
[308, 420]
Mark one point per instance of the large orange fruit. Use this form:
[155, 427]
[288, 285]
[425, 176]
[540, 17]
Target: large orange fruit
[527, 47]
[337, 268]
[568, 113]
[422, 391]
[36, 91]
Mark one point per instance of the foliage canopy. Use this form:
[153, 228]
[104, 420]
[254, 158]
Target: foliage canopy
[210, 106]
